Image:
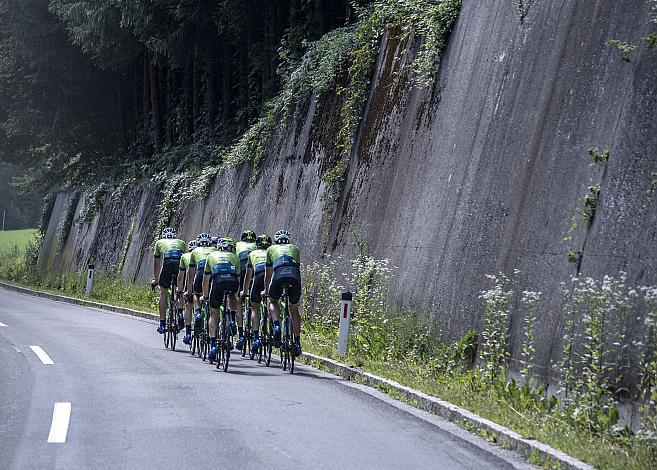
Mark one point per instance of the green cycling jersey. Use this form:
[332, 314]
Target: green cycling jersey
[242, 247]
[170, 248]
[200, 254]
[222, 262]
[184, 261]
[257, 261]
[283, 255]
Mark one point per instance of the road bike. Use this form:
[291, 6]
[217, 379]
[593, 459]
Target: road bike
[287, 332]
[224, 335]
[200, 337]
[171, 333]
[246, 326]
[266, 334]
[205, 334]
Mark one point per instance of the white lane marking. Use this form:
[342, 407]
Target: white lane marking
[17, 350]
[61, 415]
[2, 324]
[42, 355]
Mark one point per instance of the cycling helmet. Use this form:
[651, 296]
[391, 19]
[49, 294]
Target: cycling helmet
[282, 236]
[168, 233]
[248, 236]
[263, 241]
[191, 245]
[203, 239]
[226, 244]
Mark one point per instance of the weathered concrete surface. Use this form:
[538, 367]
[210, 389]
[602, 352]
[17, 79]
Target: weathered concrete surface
[479, 174]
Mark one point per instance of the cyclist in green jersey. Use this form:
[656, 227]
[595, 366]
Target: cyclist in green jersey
[182, 288]
[255, 271]
[195, 272]
[168, 251]
[283, 267]
[223, 268]
[245, 246]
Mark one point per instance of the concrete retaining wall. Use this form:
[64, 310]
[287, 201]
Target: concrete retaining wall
[478, 174]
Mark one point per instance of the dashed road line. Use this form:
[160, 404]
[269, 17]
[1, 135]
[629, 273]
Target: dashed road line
[17, 350]
[2, 324]
[41, 354]
[61, 415]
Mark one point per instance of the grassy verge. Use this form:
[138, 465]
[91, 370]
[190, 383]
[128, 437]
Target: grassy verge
[466, 391]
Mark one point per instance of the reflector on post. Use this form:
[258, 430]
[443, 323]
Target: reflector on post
[345, 315]
[90, 280]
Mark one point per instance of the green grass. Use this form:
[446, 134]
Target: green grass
[466, 391]
[16, 239]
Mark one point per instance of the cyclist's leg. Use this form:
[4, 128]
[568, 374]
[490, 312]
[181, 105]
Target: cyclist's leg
[164, 283]
[256, 298]
[294, 293]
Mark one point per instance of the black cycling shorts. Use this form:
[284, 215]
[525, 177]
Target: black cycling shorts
[220, 284]
[198, 282]
[286, 275]
[169, 268]
[257, 287]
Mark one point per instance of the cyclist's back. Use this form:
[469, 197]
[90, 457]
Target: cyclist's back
[284, 259]
[198, 260]
[224, 269]
[170, 250]
[242, 248]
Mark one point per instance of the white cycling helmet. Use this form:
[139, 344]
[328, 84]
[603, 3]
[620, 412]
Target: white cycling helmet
[203, 239]
[168, 233]
[226, 244]
[191, 245]
[282, 236]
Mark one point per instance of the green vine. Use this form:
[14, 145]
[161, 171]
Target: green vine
[126, 246]
[46, 212]
[66, 222]
[172, 193]
[92, 203]
[587, 205]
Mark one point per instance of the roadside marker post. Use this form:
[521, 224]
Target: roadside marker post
[345, 315]
[90, 280]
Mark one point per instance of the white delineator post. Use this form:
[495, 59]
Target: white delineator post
[345, 315]
[90, 280]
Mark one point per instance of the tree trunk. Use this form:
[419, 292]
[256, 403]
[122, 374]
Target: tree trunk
[164, 93]
[244, 69]
[211, 89]
[197, 96]
[171, 105]
[146, 93]
[155, 108]
[226, 88]
[189, 99]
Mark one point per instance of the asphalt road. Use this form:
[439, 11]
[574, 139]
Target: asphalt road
[135, 405]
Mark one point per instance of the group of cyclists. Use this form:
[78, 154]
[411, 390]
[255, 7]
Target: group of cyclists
[208, 268]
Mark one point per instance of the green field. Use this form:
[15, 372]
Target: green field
[16, 238]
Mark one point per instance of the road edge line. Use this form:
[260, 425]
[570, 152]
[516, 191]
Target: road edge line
[505, 437]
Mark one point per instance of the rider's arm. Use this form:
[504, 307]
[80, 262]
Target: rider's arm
[157, 267]
[247, 279]
[268, 271]
[181, 278]
[206, 285]
[191, 272]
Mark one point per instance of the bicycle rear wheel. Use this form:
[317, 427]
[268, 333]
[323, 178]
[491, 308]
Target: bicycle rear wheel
[290, 334]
